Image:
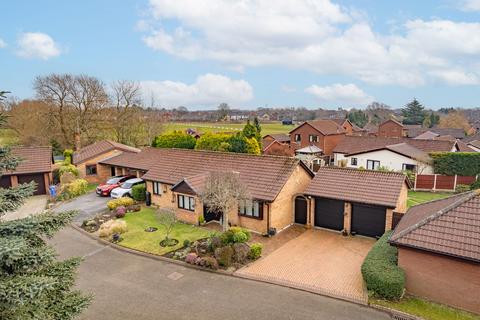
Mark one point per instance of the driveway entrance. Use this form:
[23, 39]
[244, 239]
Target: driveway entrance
[318, 260]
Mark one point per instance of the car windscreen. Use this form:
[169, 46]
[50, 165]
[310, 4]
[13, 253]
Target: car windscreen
[127, 185]
[113, 181]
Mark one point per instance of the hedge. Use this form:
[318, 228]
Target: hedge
[460, 163]
[139, 192]
[380, 271]
[120, 202]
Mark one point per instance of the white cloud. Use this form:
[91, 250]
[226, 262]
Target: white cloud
[471, 5]
[3, 44]
[314, 35]
[207, 90]
[37, 45]
[340, 94]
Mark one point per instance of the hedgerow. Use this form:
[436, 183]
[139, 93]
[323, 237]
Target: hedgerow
[456, 163]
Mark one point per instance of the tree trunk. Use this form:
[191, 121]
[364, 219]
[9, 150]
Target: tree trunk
[225, 220]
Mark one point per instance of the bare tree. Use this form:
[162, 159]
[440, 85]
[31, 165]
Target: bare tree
[126, 97]
[222, 193]
[167, 218]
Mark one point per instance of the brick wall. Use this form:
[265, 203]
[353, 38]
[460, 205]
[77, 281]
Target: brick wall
[100, 177]
[326, 143]
[390, 129]
[442, 279]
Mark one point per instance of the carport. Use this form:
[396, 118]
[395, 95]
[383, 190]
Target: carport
[357, 202]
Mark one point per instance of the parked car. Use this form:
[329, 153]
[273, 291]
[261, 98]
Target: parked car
[104, 190]
[125, 190]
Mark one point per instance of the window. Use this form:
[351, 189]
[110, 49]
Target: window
[91, 169]
[353, 161]
[252, 209]
[298, 137]
[373, 164]
[157, 188]
[112, 171]
[409, 167]
[313, 138]
[186, 202]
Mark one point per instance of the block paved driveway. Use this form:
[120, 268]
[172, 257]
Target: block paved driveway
[318, 260]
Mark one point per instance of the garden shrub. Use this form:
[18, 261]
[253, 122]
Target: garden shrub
[224, 256]
[201, 219]
[214, 243]
[186, 243]
[115, 203]
[462, 188]
[139, 192]
[191, 258]
[67, 168]
[68, 156]
[227, 237]
[112, 226]
[380, 271]
[240, 252]
[120, 212]
[209, 262]
[73, 189]
[475, 185]
[235, 235]
[255, 251]
[460, 163]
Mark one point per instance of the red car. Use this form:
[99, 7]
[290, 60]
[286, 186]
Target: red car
[104, 190]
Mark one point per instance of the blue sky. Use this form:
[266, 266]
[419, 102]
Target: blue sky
[250, 53]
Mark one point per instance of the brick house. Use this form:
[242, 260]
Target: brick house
[353, 201]
[175, 178]
[392, 128]
[439, 250]
[87, 158]
[325, 134]
[277, 144]
[36, 165]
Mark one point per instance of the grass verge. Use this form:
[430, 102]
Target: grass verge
[418, 197]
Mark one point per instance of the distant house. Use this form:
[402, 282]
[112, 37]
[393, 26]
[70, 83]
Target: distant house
[36, 165]
[287, 122]
[475, 145]
[345, 124]
[87, 158]
[277, 144]
[392, 129]
[398, 154]
[325, 134]
[439, 250]
[355, 201]
[370, 129]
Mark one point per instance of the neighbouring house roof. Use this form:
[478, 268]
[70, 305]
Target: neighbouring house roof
[325, 127]
[427, 135]
[415, 131]
[449, 226]
[463, 147]
[33, 160]
[473, 137]
[143, 160]
[99, 148]
[409, 151]
[359, 144]
[263, 175]
[392, 120]
[195, 184]
[371, 128]
[309, 149]
[353, 185]
[281, 137]
[340, 121]
[475, 143]
[357, 128]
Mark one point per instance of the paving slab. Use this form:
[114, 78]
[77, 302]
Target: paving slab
[32, 206]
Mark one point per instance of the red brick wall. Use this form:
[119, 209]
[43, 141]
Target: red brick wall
[331, 142]
[279, 149]
[442, 279]
[390, 129]
[348, 127]
[326, 143]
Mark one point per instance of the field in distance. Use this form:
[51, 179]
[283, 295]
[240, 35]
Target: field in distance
[203, 127]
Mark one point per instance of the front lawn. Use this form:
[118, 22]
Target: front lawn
[418, 197]
[136, 237]
[91, 187]
[427, 310]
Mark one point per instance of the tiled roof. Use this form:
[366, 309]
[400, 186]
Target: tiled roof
[33, 160]
[325, 127]
[281, 137]
[449, 226]
[365, 186]
[309, 149]
[143, 160]
[392, 120]
[98, 148]
[473, 137]
[463, 147]
[427, 135]
[264, 176]
[409, 151]
[415, 131]
[357, 144]
[475, 143]
[371, 128]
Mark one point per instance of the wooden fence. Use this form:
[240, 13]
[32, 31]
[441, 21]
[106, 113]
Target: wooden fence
[434, 182]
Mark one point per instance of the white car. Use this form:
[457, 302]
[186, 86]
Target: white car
[125, 189]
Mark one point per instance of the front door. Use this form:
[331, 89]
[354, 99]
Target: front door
[211, 215]
[300, 210]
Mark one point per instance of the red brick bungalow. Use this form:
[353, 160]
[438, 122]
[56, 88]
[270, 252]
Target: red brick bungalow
[439, 250]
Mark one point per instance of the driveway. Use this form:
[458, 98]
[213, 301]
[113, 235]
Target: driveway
[318, 260]
[32, 206]
[88, 205]
[128, 286]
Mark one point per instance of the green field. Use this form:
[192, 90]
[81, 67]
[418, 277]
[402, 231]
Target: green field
[203, 127]
[418, 197]
[7, 137]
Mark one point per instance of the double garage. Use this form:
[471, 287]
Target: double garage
[358, 202]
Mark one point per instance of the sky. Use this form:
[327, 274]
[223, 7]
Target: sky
[252, 53]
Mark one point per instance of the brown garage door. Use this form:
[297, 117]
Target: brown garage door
[5, 182]
[38, 178]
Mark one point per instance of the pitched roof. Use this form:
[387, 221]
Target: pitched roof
[463, 147]
[473, 137]
[143, 160]
[371, 128]
[427, 135]
[392, 120]
[98, 148]
[359, 144]
[280, 137]
[309, 149]
[33, 160]
[325, 127]
[409, 151]
[449, 226]
[264, 175]
[475, 143]
[370, 187]
[339, 121]
[415, 131]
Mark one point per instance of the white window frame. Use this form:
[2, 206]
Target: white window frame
[374, 166]
[157, 188]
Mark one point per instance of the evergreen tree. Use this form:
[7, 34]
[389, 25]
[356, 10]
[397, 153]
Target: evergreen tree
[33, 284]
[434, 119]
[413, 113]
[258, 128]
[175, 139]
[358, 117]
[249, 131]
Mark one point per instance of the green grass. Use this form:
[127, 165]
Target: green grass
[418, 197]
[427, 310]
[203, 127]
[137, 238]
[91, 187]
[8, 137]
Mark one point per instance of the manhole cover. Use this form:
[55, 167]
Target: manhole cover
[175, 276]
